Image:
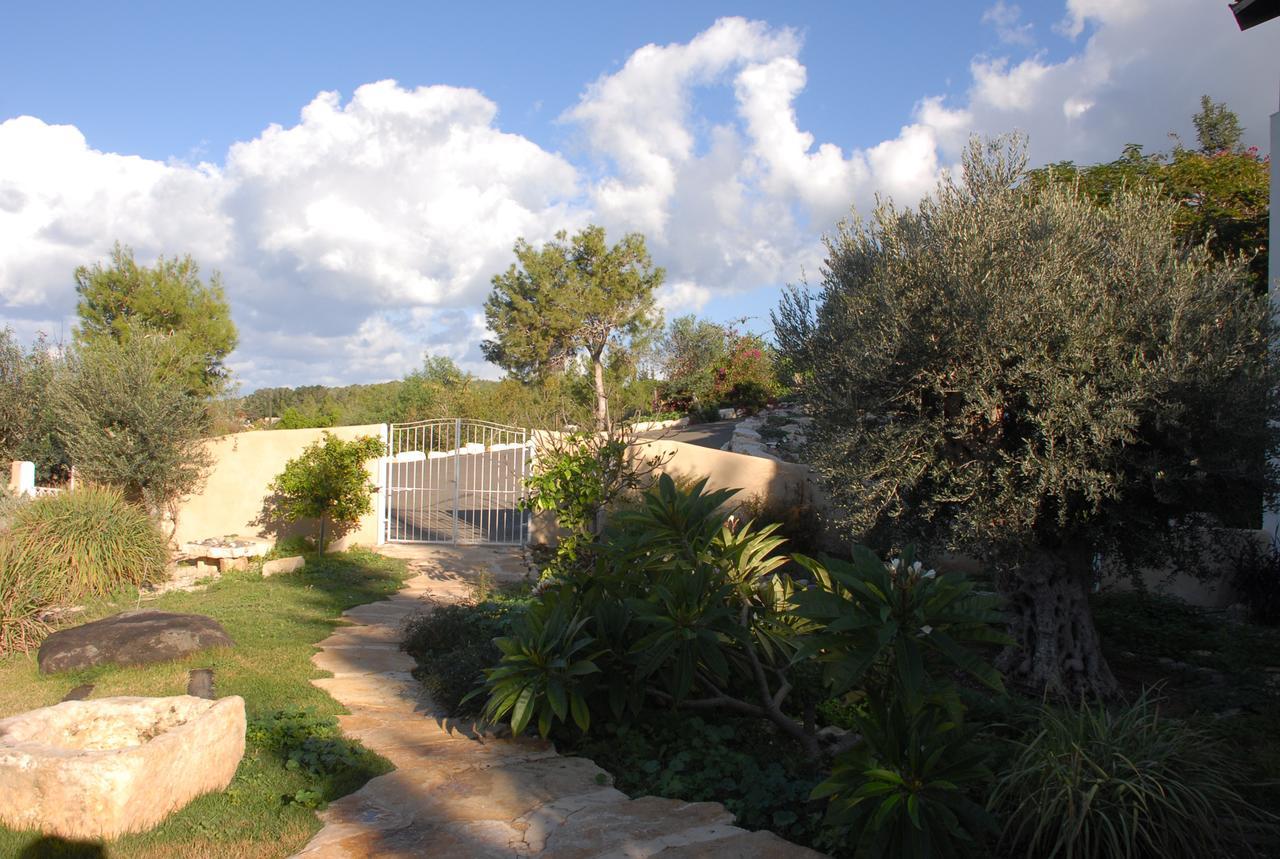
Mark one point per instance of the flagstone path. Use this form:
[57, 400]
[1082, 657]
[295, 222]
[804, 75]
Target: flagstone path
[455, 793]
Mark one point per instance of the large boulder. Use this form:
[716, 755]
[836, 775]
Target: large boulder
[131, 638]
[96, 769]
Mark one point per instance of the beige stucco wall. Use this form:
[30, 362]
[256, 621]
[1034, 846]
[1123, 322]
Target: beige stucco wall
[752, 475]
[1211, 589]
[782, 482]
[230, 501]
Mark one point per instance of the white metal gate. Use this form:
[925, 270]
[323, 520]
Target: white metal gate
[455, 481]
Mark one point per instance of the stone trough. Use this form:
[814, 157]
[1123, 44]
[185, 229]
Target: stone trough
[101, 768]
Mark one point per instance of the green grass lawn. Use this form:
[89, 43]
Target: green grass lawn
[275, 623]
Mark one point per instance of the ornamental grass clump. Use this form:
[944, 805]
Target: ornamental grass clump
[1128, 782]
[21, 624]
[67, 547]
[85, 543]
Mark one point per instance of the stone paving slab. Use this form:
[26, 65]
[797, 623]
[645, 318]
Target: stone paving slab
[459, 792]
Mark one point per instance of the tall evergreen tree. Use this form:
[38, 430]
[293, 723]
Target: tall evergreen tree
[123, 299]
[568, 298]
[1217, 127]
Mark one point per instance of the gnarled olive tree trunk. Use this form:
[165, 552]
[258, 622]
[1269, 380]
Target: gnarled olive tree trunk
[1057, 649]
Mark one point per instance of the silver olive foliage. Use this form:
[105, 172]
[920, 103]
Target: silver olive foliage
[1011, 371]
[1001, 367]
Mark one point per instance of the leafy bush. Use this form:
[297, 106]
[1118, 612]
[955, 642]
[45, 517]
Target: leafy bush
[746, 377]
[674, 605]
[749, 397]
[707, 413]
[901, 790]
[453, 644]
[1255, 575]
[797, 519]
[891, 630]
[544, 663]
[1095, 782]
[691, 351]
[884, 626]
[577, 477]
[328, 483]
[314, 746]
[27, 425]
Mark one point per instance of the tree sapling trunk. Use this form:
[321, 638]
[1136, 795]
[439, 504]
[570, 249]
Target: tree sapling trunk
[602, 399]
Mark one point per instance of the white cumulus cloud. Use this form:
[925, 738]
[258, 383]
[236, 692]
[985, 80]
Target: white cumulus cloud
[366, 232]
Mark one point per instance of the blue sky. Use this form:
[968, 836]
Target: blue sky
[356, 230]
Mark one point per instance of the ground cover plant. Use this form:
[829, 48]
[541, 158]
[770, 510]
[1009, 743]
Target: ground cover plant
[453, 644]
[756, 773]
[294, 760]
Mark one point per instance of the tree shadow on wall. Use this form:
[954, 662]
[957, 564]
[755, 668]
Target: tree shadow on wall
[272, 522]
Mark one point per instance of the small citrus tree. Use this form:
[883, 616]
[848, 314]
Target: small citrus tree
[327, 483]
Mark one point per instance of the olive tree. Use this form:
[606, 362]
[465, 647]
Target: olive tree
[126, 419]
[1010, 371]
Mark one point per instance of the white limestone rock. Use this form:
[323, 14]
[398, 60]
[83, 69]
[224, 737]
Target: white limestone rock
[98, 769]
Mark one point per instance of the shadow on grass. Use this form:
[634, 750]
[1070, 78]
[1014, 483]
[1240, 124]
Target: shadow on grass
[52, 847]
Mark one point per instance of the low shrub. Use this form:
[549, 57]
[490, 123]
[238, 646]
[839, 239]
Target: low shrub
[90, 542]
[750, 397]
[314, 745]
[796, 517]
[453, 645]
[739, 762]
[289, 547]
[905, 789]
[706, 413]
[1099, 782]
